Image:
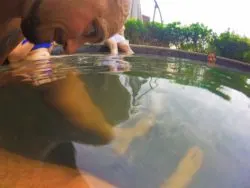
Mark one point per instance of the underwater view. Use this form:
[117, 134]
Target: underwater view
[177, 123]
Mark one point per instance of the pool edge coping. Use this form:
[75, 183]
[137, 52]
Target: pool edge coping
[163, 52]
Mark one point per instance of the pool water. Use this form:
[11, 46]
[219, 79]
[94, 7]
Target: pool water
[178, 123]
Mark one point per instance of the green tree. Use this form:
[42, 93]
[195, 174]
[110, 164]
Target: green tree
[195, 37]
[154, 33]
[135, 31]
[172, 35]
[233, 46]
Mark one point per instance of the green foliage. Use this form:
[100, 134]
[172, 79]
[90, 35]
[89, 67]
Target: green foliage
[135, 31]
[195, 37]
[246, 56]
[154, 32]
[173, 34]
[231, 45]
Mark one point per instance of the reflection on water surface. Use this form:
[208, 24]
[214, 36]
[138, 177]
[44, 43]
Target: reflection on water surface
[175, 123]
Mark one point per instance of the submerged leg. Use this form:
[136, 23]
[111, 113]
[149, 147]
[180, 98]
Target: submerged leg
[126, 135]
[71, 98]
[186, 169]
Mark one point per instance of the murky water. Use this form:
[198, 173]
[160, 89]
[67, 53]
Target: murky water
[177, 123]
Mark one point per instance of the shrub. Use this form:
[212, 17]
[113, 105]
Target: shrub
[195, 37]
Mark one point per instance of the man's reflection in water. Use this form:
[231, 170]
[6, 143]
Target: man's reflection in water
[58, 87]
[107, 91]
[44, 104]
[38, 132]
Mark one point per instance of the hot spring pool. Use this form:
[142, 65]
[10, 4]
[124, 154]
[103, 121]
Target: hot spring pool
[178, 123]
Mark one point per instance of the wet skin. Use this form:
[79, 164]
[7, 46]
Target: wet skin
[70, 23]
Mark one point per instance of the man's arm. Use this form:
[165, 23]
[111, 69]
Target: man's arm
[20, 52]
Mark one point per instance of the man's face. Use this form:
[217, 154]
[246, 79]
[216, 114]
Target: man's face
[74, 22]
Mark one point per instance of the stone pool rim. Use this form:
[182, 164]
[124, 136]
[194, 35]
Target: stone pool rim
[163, 52]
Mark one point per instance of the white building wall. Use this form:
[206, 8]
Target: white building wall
[135, 11]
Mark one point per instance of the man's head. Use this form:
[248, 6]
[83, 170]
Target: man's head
[74, 22]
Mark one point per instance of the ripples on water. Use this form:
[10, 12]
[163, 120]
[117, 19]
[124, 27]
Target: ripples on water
[174, 121]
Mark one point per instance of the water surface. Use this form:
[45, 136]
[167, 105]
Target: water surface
[166, 106]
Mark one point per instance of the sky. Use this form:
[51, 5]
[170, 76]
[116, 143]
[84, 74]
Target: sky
[218, 15]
